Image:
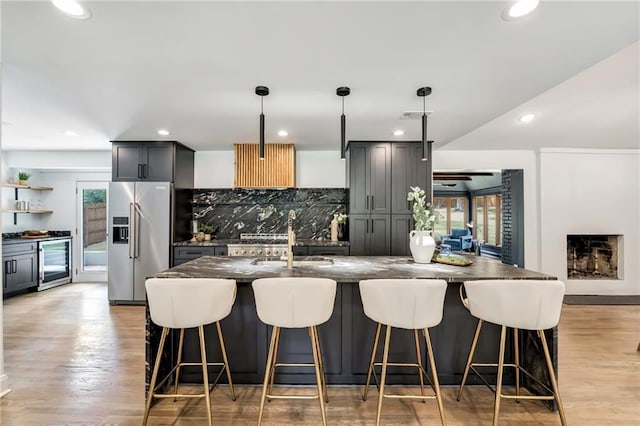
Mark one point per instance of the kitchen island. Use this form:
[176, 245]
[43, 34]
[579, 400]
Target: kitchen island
[347, 337]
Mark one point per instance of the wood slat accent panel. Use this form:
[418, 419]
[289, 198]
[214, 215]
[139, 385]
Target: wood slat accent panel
[277, 170]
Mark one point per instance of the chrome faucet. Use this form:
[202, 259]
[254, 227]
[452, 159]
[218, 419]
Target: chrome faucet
[291, 238]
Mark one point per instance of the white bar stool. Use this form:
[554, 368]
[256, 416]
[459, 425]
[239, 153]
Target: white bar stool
[181, 303]
[294, 303]
[519, 304]
[411, 304]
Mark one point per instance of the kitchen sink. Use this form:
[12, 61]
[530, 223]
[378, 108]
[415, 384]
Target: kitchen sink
[297, 261]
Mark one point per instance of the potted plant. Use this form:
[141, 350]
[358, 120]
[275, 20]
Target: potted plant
[23, 178]
[421, 241]
[207, 230]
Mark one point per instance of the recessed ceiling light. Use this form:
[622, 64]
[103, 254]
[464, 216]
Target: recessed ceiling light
[519, 9]
[70, 133]
[163, 132]
[527, 118]
[283, 133]
[398, 132]
[72, 8]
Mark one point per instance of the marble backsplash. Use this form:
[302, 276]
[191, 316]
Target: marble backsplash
[265, 211]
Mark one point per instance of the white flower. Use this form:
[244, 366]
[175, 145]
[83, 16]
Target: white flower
[423, 213]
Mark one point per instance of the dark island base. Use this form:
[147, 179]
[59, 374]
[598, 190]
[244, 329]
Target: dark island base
[346, 341]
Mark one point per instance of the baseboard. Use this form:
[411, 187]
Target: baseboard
[601, 300]
[4, 385]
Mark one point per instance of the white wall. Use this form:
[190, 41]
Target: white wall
[314, 169]
[4, 381]
[59, 160]
[590, 192]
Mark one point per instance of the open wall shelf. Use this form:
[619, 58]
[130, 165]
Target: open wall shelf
[34, 188]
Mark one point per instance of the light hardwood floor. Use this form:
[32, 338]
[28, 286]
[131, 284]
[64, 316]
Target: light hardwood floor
[72, 359]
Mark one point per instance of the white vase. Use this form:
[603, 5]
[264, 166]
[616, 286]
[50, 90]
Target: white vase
[422, 246]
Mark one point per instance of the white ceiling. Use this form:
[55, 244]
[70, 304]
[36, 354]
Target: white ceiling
[192, 67]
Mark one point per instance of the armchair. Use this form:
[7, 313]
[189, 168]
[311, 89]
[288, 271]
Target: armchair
[459, 239]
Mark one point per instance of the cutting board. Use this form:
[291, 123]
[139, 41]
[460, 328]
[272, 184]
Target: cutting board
[34, 237]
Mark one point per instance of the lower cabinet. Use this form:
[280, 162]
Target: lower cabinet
[184, 254]
[369, 235]
[401, 226]
[321, 251]
[19, 267]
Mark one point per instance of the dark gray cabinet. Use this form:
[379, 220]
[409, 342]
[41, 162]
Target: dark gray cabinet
[380, 176]
[152, 161]
[19, 266]
[401, 226]
[369, 178]
[369, 235]
[186, 253]
[407, 170]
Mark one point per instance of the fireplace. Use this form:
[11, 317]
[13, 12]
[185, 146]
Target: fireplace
[593, 257]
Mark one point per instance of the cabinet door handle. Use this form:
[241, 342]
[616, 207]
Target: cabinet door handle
[372, 226]
[14, 267]
[366, 206]
[367, 226]
[139, 170]
[145, 170]
[7, 268]
[372, 206]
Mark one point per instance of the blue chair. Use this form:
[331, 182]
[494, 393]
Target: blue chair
[459, 239]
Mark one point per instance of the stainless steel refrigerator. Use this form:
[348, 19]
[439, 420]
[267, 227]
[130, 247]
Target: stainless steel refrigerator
[139, 237]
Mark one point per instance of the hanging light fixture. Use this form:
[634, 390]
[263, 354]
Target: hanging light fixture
[262, 91]
[423, 92]
[342, 92]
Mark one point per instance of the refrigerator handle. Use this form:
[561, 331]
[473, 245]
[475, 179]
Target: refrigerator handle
[136, 236]
[132, 225]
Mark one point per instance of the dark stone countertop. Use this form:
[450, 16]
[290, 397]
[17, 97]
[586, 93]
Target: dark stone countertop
[349, 269]
[18, 240]
[299, 243]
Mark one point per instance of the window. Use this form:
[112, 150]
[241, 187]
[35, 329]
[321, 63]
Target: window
[487, 212]
[453, 213]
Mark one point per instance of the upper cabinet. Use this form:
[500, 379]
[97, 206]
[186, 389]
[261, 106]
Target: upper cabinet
[369, 178]
[407, 170]
[153, 162]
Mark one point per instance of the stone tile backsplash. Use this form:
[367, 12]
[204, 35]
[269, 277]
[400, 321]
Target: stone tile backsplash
[236, 211]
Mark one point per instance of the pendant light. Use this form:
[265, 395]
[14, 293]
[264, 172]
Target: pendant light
[342, 92]
[262, 91]
[423, 92]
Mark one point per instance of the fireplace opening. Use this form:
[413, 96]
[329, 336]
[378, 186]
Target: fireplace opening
[593, 257]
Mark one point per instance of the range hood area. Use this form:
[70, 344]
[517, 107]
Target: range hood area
[276, 170]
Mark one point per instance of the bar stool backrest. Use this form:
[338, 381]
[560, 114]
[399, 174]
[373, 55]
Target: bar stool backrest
[524, 304]
[294, 302]
[404, 303]
[189, 302]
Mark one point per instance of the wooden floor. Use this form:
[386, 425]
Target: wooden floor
[73, 359]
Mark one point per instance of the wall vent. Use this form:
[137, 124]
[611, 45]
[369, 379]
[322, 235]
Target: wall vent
[413, 115]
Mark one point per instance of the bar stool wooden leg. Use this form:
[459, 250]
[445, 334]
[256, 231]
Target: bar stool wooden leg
[552, 376]
[383, 375]
[267, 373]
[322, 373]
[154, 375]
[373, 358]
[205, 372]
[434, 373]
[496, 409]
[469, 359]
[274, 362]
[180, 345]
[419, 362]
[225, 360]
[516, 355]
[316, 363]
